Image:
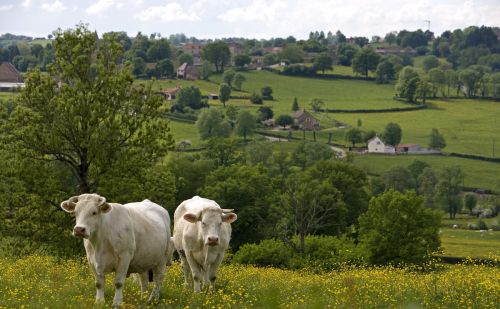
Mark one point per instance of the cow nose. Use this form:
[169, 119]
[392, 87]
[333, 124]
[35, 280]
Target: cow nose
[79, 231]
[213, 240]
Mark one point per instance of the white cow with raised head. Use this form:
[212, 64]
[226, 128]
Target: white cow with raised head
[202, 230]
[130, 238]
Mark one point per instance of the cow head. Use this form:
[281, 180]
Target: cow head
[210, 220]
[87, 209]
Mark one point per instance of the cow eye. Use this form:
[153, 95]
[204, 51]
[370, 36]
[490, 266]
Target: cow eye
[94, 213]
[204, 223]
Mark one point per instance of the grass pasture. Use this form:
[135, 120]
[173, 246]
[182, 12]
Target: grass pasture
[45, 282]
[469, 243]
[337, 93]
[478, 174]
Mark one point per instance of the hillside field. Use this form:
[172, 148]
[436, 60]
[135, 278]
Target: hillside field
[42, 281]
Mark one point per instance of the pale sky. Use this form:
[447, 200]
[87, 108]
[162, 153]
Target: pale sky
[245, 18]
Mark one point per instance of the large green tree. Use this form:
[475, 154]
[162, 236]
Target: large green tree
[448, 188]
[246, 124]
[212, 124]
[392, 134]
[224, 93]
[398, 229]
[366, 59]
[323, 62]
[218, 54]
[86, 113]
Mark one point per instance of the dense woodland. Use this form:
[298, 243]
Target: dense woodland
[82, 125]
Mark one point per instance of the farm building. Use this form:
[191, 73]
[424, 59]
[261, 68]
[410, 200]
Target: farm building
[10, 78]
[305, 121]
[170, 93]
[376, 145]
[186, 71]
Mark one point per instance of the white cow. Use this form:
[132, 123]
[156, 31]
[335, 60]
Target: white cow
[130, 238]
[202, 231]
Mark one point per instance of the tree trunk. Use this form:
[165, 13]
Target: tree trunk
[83, 173]
[302, 243]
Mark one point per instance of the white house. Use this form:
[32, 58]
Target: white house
[376, 145]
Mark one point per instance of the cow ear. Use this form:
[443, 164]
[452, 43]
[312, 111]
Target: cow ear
[224, 210]
[229, 217]
[104, 208]
[69, 205]
[189, 217]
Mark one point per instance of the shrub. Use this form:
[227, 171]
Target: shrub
[482, 225]
[299, 70]
[322, 253]
[256, 98]
[267, 93]
[399, 229]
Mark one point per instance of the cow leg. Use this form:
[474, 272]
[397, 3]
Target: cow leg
[185, 267]
[99, 284]
[158, 275]
[144, 282]
[120, 276]
[196, 271]
[212, 270]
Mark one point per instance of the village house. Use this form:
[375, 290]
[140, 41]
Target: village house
[170, 93]
[10, 78]
[187, 71]
[305, 121]
[195, 51]
[376, 145]
[272, 50]
[395, 51]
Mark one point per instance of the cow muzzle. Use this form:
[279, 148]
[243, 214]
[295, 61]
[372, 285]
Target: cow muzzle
[212, 240]
[80, 231]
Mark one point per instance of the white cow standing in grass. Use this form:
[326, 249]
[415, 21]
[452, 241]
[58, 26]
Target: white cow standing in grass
[202, 231]
[130, 238]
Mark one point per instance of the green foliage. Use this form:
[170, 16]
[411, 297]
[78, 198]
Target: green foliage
[238, 80]
[228, 75]
[317, 104]
[399, 178]
[232, 115]
[164, 68]
[430, 62]
[398, 229]
[322, 253]
[267, 93]
[482, 225]
[249, 191]
[159, 50]
[345, 54]
[392, 134]
[256, 98]
[295, 106]
[212, 124]
[292, 54]
[407, 83]
[246, 124]
[366, 59]
[448, 188]
[284, 120]
[385, 72]
[187, 97]
[270, 59]
[223, 151]
[437, 140]
[185, 58]
[264, 113]
[189, 173]
[241, 60]
[224, 93]
[470, 201]
[353, 135]
[308, 153]
[323, 62]
[206, 70]
[299, 70]
[88, 131]
[426, 182]
[218, 54]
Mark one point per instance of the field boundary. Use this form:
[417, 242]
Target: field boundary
[473, 157]
[462, 260]
[382, 110]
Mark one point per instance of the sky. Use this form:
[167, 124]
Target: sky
[245, 18]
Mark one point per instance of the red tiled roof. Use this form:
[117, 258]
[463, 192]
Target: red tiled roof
[9, 74]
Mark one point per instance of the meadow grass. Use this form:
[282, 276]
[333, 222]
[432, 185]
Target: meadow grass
[46, 282]
[336, 94]
[468, 126]
[478, 174]
[469, 243]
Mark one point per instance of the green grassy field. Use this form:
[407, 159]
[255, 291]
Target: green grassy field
[337, 94]
[468, 126]
[478, 174]
[470, 243]
[45, 282]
